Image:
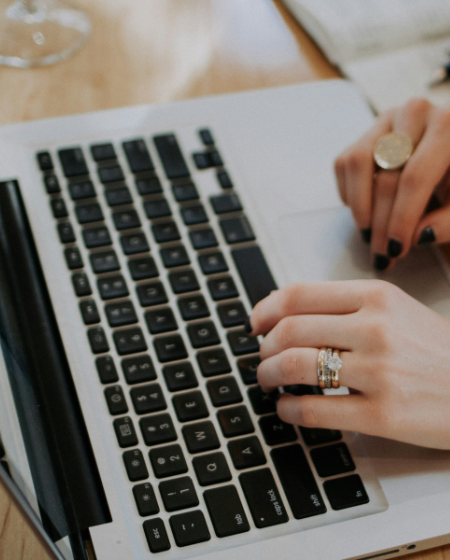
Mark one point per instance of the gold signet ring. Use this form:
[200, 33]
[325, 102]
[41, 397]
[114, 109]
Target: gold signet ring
[392, 150]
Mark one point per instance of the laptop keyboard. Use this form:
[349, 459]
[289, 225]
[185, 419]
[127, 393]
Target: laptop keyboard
[197, 437]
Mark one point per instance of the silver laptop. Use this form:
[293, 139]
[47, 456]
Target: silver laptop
[133, 243]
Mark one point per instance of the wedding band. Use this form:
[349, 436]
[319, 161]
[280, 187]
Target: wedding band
[328, 365]
[335, 372]
[320, 367]
[392, 150]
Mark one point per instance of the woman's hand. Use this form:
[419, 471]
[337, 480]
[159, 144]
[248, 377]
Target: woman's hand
[395, 353]
[389, 207]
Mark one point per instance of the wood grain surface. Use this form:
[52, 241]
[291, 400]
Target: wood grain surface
[152, 51]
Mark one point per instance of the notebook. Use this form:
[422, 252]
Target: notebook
[133, 243]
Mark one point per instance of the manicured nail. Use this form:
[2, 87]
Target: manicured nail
[427, 236]
[366, 234]
[380, 262]
[394, 248]
[247, 325]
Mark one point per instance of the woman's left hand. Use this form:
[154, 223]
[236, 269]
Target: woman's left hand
[395, 353]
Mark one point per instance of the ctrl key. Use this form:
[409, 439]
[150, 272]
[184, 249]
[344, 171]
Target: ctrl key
[156, 534]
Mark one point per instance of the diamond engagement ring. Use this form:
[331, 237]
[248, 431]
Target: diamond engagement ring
[328, 366]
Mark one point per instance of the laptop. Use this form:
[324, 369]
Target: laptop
[133, 244]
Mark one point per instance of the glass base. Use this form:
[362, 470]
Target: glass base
[40, 32]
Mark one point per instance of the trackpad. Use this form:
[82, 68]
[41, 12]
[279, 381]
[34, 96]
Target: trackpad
[325, 245]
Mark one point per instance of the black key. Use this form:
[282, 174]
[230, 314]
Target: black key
[106, 369]
[170, 348]
[81, 284]
[73, 258]
[235, 421]
[58, 207]
[224, 203]
[125, 433]
[106, 261]
[110, 174]
[246, 453]
[89, 312]
[180, 377]
[157, 209]
[202, 160]
[178, 493]
[134, 243]
[152, 293]
[190, 406]
[200, 437]
[193, 215]
[126, 219]
[98, 340]
[222, 288]
[135, 465]
[216, 158]
[211, 469]
[52, 184]
[141, 269]
[255, 274]
[224, 179]
[346, 492]
[88, 213]
[120, 314]
[174, 256]
[161, 320]
[276, 431]
[165, 231]
[248, 368]
[102, 152]
[212, 263]
[241, 343]
[206, 136]
[224, 391]
[168, 461]
[157, 429]
[129, 341]
[148, 398]
[263, 498]
[332, 459]
[300, 390]
[84, 189]
[138, 369]
[189, 528]
[73, 162]
[185, 192]
[237, 230]
[184, 281]
[65, 232]
[262, 403]
[137, 155]
[204, 238]
[96, 237]
[44, 160]
[149, 185]
[226, 511]
[118, 196]
[316, 436]
[213, 362]
[203, 334]
[115, 399]
[145, 500]
[171, 156]
[112, 287]
[232, 314]
[298, 481]
[156, 534]
[193, 307]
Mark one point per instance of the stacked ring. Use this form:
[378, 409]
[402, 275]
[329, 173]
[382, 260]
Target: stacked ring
[320, 367]
[328, 366]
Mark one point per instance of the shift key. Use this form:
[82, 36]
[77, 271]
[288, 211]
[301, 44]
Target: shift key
[263, 498]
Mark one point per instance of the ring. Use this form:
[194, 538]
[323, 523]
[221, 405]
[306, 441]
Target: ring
[335, 367]
[328, 365]
[320, 367]
[392, 150]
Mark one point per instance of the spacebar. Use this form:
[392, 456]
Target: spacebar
[255, 274]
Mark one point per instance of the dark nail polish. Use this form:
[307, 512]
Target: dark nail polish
[427, 236]
[366, 234]
[247, 325]
[394, 248]
[380, 262]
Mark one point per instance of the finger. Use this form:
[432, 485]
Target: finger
[434, 227]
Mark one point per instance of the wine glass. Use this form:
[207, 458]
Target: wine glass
[40, 32]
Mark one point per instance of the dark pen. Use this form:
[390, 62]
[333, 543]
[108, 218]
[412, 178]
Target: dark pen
[441, 75]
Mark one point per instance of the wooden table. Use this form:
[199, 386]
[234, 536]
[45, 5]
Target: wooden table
[148, 51]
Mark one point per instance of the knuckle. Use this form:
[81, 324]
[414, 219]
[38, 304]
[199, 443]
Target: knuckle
[356, 159]
[417, 106]
[290, 366]
[290, 296]
[411, 179]
[308, 414]
[284, 331]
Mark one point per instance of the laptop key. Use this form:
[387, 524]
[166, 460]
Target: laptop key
[211, 469]
[156, 534]
[148, 398]
[96, 237]
[171, 156]
[138, 369]
[52, 184]
[193, 307]
[224, 391]
[170, 348]
[137, 155]
[222, 288]
[115, 399]
[202, 160]
[73, 258]
[174, 256]
[141, 269]
[248, 368]
[185, 192]
[232, 314]
[178, 493]
[203, 334]
[262, 403]
[135, 465]
[241, 343]
[125, 433]
[126, 219]
[134, 243]
[168, 461]
[88, 213]
[165, 232]
[332, 459]
[298, 481]
[44, 160]
[106, 369]
[213, 263]
[161, 321]
[213, 362]
[98, 340]
[200, 437]
[346, 492]
[148, 186]
[105, 261]
[226, 511]
[204, 238]
[151, 293]
[73, 162]
[65, 232]
[254, 272]
[316, 436]
[275, 431]
[190, 406]
[112, 287]
[189, 528]
[235, 421]
[82, 190]
[102, 152]
[246, 453]
[58, 207]
[180, 377]
[157, 429]
[237, 230]
[184, 281]
[157, 209]
[81, 284]
[89, 312]
[120, 314]
[129, 341]
[193, 215]
[118, 196]
[224, 203]
[206, 136]
[224, 179]
[216, 158]
[145, 499]
[110, 174]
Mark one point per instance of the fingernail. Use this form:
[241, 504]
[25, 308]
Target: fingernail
[427, 236]
[380, 262]
[366, 234]
[247, 325]
[394, 248]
